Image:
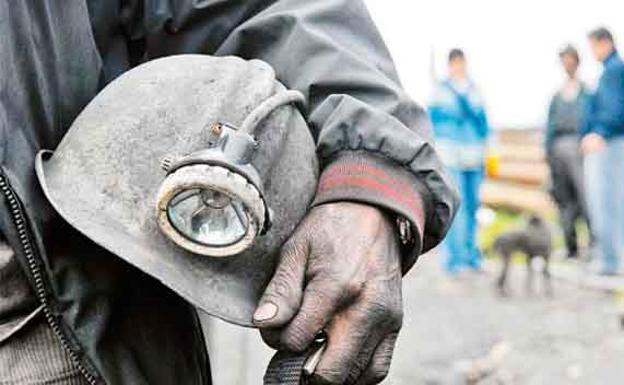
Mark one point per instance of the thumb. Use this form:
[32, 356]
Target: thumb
[282, 297]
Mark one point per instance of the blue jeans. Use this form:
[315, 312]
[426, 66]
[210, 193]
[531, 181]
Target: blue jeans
[604, 184]
[461, 241]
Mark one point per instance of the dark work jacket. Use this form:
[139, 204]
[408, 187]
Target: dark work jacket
[565, 118]
[120, 326]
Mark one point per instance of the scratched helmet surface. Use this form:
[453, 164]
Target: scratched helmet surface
[106, 175]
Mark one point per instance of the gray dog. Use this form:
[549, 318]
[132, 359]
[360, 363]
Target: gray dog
[534, 240]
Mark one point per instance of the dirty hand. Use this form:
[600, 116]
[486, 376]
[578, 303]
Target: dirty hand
[340, 272]
[592, 143]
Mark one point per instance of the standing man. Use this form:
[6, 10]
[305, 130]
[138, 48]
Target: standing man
[565, 116]
[461, 130]
[603, 146]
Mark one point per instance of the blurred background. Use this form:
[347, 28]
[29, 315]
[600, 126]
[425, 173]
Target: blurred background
[464, 324]
[512, 46]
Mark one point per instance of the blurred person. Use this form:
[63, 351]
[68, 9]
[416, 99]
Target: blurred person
[461, 130]
[603, 148]
[563, 154]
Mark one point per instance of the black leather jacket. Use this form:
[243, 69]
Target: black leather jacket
[120, 326]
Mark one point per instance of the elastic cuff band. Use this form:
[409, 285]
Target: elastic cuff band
[371, 179]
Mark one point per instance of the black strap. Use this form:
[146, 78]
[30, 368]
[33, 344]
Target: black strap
[286, 369]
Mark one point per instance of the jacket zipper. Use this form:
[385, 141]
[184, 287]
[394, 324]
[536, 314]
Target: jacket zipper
[20, 223]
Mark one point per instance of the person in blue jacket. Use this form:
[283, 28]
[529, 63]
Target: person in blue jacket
[603, 148]
[461, 130]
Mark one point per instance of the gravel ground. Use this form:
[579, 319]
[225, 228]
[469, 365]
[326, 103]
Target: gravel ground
[458, 331]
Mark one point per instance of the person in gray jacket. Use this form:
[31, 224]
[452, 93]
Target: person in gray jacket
[563, 153]
[72, 313]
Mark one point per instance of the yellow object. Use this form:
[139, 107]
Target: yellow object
[492, 164]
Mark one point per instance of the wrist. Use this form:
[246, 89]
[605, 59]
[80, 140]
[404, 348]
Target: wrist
[374, 180]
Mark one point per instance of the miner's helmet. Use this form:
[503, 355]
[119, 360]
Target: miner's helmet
[193, 168]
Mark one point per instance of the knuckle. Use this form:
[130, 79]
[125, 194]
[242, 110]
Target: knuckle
[319, 298]
[297, 336]
[380, 374]
[324, 293]
[292, 251]
[330, 376]
[383, 308]
[290, 247]
[397, 315]
[380, 367]
[380, 309]
[352, 288]
[283, 294]
[286, 280]
[279, 286]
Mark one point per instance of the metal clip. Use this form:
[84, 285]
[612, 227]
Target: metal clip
[315, 353]
[405, 231]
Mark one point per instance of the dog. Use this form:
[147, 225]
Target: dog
[535, 241]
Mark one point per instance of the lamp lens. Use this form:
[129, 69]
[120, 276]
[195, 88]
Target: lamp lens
[208, 217]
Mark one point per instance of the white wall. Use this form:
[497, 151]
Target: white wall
[512, 46]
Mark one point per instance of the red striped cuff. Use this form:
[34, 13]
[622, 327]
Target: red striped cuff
[366, 178]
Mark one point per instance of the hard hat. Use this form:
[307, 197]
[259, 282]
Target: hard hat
[193, 168]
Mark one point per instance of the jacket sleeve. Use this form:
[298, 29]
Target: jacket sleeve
[441, 112]
[373, 141]
[549, 135]
[587, 107]
[477, 114]
[609, 117]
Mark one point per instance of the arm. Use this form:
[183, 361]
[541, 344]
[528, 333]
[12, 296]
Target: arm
[587, 105]
[481, 121]
[549, 135]
[440, 115]
[470, 108]
[440, 111]
[609, 116]
[341, 270]
[475, 112]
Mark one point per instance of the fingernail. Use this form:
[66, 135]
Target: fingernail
[265, 312]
